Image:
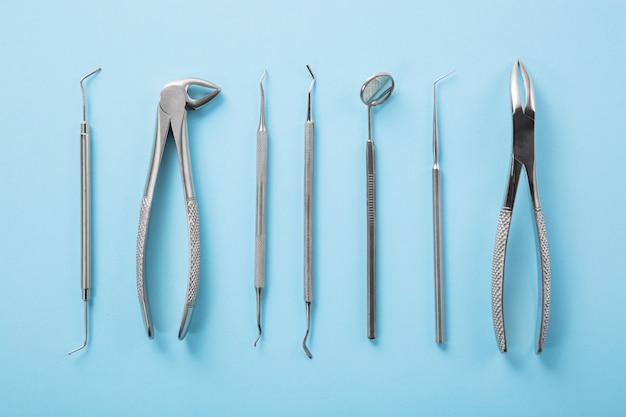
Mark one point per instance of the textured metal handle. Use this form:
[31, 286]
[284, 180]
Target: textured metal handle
[193, 227]
[142, 290]
[544, 296]
[261, 186]
[308, 210]
[371, 240]
[437, 250]
[497, 277]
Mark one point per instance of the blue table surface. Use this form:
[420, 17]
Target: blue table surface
[574, 53]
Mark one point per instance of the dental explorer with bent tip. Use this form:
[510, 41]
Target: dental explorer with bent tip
[85, 197]
[261, 192]
[309, 129]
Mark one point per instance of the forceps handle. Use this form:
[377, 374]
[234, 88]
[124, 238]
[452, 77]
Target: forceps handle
[371, 240]
[497, 277]
[85, 179]
[544, 260]
[261, 187]
[309, 129]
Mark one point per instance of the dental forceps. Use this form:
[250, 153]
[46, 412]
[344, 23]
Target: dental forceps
[523, 156]
[172, 116]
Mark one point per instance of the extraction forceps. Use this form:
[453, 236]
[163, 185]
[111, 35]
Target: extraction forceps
[523, 156]
[172, 116]
[85, 182]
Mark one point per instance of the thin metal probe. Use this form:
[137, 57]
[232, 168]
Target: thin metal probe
[261, 186]
[85, 164]
[308, 328]
[437, 234]
[309, 129]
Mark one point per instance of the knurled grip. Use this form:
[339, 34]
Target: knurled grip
[142, 292]
[193, 225]
[259, 262]
[261, 186]
[497, 277]
[371, 240]
[308, 211]
[544, 296]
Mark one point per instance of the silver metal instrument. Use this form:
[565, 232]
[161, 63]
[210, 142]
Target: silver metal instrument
[261, 190]
[309, 129]
[523, 156]
[172, 116]
[85, 197]
[375, 91]
[437, 235]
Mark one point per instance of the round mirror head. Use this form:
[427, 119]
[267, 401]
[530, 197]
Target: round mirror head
[377, 89]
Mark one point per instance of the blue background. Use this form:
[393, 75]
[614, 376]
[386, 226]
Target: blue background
[574, 53]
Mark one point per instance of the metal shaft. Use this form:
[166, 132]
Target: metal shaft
[371, 239]
[85, 157]
[439, 323]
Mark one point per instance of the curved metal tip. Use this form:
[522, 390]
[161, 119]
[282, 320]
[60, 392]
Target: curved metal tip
[262, 118]
[259, 335]
[313, 80]
[516, 100]
[309, 114]
[308, 328]
[435, 126]
[82, 89]
[259, 292]
[90, 74]
[443, 76]
[81, 347]
[262, 78]
[78, 348]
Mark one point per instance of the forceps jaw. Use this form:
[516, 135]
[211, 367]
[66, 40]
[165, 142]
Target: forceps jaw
[516, 100]
[194, 104]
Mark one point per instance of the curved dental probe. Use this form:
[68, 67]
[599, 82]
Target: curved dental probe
[437, 235]
[309, 129]
[261, 190]
[85, 168]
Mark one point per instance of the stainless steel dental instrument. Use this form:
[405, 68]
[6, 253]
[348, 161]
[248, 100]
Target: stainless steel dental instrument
[85, 185]
[172, 116]
[309, 129]
[375, 91]
[523, 156]
[437, 235]
[261, 189]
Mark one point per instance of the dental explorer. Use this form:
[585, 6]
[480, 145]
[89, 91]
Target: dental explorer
[261, 189]
[309, 128]
[437, 235]
[85, 197]
[375, 90]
